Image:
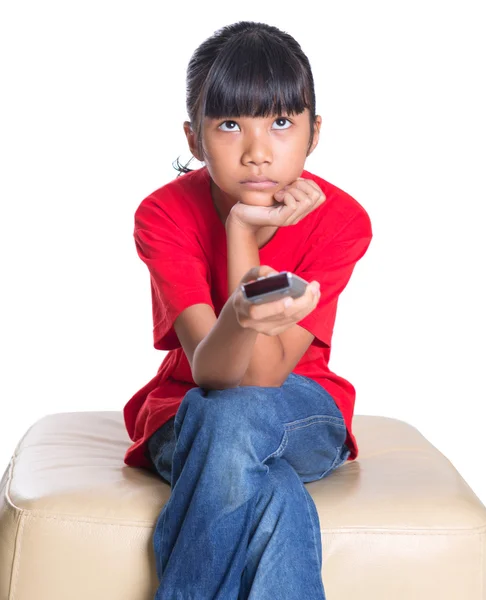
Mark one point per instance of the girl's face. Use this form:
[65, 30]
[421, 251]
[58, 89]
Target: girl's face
[243, 147]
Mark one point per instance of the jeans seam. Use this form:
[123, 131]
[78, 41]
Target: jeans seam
[280, 448]
[336, 463]
[300, 424]
[177, 440]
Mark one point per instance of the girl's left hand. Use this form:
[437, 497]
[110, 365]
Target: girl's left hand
[272, 318]
[297, 200]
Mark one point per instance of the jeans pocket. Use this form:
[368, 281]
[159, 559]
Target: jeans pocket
[316, 446]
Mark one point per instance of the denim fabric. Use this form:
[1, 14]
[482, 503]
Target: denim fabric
[239, 522]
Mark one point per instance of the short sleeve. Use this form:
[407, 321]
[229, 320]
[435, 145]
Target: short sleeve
[179, 274]
[331, 263]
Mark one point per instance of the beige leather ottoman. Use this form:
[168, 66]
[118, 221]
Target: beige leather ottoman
[76, 523]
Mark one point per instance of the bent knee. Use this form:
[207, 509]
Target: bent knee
[236, 405]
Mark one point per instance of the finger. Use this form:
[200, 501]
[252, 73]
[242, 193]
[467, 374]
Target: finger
[306, 185]
[299, 202]
[302, 192]
[312, 188]
[283, 215]
[266, 270]
[308, 300]
[302, 308]
[251, 275]
[275, 311]
[258, 271]
[306, 205]
[268, 311]
[287, 197]
[301, 197]
[280, 193]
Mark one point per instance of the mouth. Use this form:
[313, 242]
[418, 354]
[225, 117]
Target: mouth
[259, 185]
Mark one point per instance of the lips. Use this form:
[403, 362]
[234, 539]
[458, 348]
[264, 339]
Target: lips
[258, 179]
[259, 185]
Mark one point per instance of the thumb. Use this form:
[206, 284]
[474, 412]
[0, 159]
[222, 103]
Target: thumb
[266, 270]
[255, 272]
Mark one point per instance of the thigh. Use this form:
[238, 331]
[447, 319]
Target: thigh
[311, 434]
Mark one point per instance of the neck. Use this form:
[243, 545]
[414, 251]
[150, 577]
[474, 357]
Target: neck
[221, 201]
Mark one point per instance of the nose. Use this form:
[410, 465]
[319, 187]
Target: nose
[257, 148]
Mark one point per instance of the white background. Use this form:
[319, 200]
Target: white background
[92, 106]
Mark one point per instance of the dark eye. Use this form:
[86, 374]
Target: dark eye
[282, 119]
[225, 122]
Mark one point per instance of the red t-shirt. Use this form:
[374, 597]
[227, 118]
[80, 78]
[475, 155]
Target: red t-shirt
[181, 239]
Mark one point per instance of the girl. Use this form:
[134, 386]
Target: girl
[244, 409]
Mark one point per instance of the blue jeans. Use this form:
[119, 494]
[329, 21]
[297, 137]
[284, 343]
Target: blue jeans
[239, 522]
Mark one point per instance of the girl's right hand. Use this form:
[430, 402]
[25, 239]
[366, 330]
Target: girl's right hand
[292, 204]
[272, 318]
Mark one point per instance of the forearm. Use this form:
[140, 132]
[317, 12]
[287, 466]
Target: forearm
[265, 362]
[266, 355]
[221, 359]
[231, 355]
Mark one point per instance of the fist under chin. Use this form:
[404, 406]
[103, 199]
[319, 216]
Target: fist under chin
[261, 202]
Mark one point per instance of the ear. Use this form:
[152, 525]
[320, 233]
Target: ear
[317, 128]
[191, 140]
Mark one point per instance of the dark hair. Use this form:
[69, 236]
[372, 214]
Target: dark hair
[247, 69]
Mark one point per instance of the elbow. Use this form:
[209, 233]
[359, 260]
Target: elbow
[212, 381]
[262, 380]
[215, 385]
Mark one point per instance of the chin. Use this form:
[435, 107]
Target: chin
[258, 198]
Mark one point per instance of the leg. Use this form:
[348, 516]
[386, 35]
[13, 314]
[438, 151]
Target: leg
[284, 546]
[229, 482]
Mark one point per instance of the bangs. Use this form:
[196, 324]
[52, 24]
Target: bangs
[255, 76]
